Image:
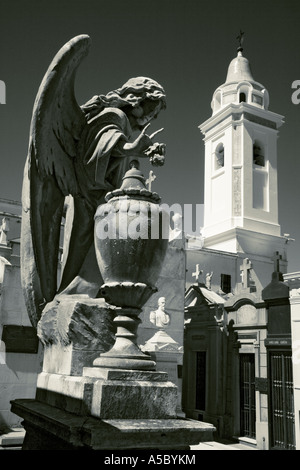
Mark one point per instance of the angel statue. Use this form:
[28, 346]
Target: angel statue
[81, 152]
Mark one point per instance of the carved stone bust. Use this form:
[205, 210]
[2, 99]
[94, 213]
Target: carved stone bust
[159, 317]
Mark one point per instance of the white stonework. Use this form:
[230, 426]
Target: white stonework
[242, 247]
[239, 81]
[241, 194]
[293, 280]
[240, 189]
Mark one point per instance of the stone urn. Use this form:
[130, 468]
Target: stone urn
[131, 240]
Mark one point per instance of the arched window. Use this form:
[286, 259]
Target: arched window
[260, 178]
[258, 155]
[243, 98]
[243, 92]
[219, 157]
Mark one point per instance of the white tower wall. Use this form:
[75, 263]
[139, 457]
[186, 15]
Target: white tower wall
[241, 190]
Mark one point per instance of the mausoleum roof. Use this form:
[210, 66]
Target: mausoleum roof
[197, 293]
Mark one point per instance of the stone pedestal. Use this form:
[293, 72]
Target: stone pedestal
[49, 428]
[131, 394]
[106, 393]
[83, 407]
[107, 409]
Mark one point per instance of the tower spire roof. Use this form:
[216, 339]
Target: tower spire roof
[240, 85]
[239, 69]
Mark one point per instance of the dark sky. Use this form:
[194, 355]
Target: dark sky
[186, 45]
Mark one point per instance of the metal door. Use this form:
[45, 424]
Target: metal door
[282, 418]
[247, 396]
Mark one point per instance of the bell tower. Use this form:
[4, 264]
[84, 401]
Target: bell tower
[241, 196]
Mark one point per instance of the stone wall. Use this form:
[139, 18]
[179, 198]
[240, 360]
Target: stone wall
[18, 370]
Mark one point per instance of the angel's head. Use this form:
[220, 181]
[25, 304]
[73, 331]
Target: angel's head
[141, 98]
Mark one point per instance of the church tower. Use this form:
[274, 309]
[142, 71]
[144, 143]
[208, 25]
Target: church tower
[241, 195]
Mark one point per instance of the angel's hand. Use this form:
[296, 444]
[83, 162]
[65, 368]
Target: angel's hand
[141, 143]
[154, 133]
[144, 141]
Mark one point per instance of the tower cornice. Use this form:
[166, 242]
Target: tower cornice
[243, 111]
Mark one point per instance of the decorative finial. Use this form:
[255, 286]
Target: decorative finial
[134, 164]
[240, 38]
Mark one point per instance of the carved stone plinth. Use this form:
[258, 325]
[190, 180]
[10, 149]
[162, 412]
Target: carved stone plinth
[74, 330]
[131, 394]
[110, 394]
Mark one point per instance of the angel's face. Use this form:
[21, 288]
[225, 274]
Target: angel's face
[145, 112]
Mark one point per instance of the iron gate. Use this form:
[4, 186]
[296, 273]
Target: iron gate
[282, 418]
[247, 396]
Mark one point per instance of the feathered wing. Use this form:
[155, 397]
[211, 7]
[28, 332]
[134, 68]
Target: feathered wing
[49, 175]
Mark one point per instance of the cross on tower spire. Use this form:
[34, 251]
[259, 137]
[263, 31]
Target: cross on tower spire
[240, 38]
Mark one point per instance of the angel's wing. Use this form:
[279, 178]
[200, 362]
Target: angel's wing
[49, 175]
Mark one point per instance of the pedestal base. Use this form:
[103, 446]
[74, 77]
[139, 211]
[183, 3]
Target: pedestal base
[110, 393]
[49, 428]
[131, 394]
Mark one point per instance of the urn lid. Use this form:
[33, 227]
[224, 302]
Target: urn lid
[134, 178]
[134, 186]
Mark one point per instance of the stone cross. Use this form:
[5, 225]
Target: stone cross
[197, 273]
[276, 258]
[151, 178]
[240, 38]
[245, 272]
